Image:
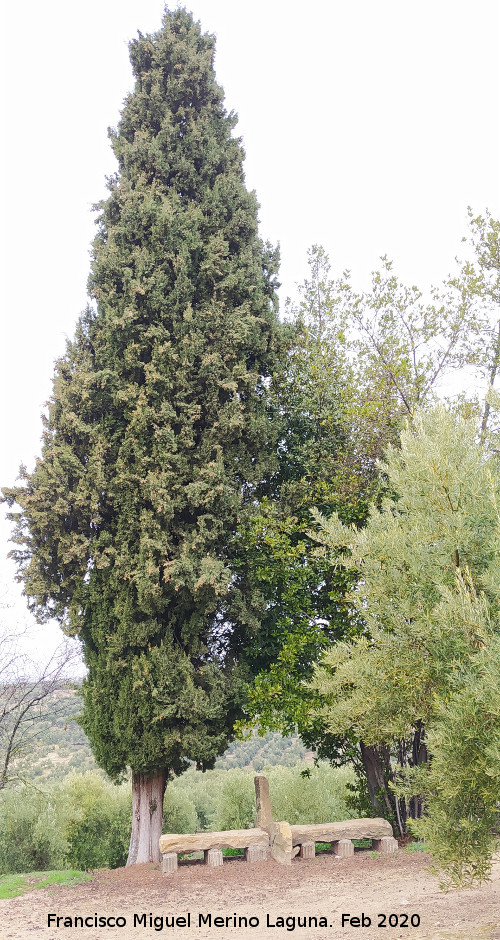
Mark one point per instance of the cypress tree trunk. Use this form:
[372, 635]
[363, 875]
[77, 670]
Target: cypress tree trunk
[148, 791]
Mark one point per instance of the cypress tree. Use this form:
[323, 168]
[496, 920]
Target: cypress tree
[158, 432]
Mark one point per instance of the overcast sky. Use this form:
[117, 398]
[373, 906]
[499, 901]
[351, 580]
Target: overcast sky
[369, 127]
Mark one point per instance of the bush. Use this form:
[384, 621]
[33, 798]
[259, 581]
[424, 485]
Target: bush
[99, 829]
[315, 798]
[225, 799]
[32, 832]
[461, 827]
[235, 801]
[84, 821]
[179, 812]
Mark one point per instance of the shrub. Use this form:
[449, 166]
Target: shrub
[179, 812]
[235, 803]
[83, 821]
[99, 828]
[315, 798]
[225, 799]
[32, 832]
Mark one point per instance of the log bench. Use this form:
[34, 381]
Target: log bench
[255, 842]
[340, 835]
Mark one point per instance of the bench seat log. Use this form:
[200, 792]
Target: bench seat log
[337, 831]
[203, 841]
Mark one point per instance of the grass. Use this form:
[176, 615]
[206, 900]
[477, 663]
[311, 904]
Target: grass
[11, 886]
[416, 847]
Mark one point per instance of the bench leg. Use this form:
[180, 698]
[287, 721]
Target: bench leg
[343, 848]
[308, 850]
[386, 846]
[169, 862]
[256, 853]
[213, 857]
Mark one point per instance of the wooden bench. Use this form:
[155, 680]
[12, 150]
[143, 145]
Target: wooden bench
[339, 836]
[255, 842]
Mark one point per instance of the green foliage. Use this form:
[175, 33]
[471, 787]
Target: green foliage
[235, 806]
[358, 800]
[320, 797]
[32, 832]
[179, 812]
[98, 832]
[159, 431]
[226, 799]
[257, 752]
[63, 748]
[83, 821]
[429, 591]
[424, 556]
[11, 886]
[303, 608]
[462, 825]
[360, 363]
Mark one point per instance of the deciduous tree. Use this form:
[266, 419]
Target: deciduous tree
[28, 698]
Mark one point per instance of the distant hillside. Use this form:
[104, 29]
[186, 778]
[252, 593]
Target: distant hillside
[62, 746]
[256, 752]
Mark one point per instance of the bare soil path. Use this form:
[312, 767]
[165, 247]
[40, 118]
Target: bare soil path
[324, 888]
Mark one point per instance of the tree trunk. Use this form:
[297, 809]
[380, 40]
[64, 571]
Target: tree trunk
[373, 764]
[419, 756]
[493, 374]
[148, 791]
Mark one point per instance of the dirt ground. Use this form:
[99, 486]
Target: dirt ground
[325, 887]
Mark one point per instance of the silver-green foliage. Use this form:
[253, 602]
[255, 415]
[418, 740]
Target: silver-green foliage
[83, 821]
[316, 798]
[429, 591]
[98, 829]
[462, 824]
[226, 799]
[32, 832]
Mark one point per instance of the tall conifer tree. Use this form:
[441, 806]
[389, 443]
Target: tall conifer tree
[158, 432]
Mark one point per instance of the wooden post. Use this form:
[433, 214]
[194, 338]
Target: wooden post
[256, 853]
[264, 813]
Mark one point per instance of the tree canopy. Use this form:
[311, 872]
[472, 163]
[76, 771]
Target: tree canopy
[159, 430]
[361, 364]
[429, 593]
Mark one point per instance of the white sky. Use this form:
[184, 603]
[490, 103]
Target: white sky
[369, 126]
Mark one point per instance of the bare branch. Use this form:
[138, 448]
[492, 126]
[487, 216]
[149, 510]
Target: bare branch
[26, 692]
